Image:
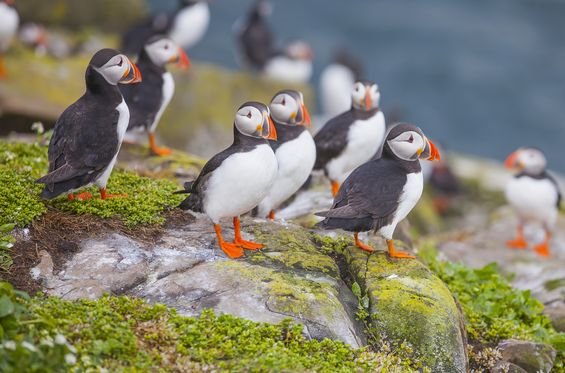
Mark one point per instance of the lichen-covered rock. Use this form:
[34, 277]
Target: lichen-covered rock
[557, 315]
[530, 356]
[409, 304]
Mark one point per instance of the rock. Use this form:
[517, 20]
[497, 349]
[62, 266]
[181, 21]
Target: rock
[557, 315]
[506, 367]
[407, 302]
[530, 356]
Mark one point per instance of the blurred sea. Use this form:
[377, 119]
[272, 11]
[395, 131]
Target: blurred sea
[482, 76]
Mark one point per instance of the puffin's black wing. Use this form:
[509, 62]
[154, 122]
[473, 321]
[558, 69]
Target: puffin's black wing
[552, 179]
[332, 138]
[256, 41]
[83, 145]
[368, 198]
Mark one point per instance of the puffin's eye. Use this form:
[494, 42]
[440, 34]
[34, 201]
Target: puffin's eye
[121, 62]
[249, 114]
[411, 139]
[166, 46]
[283, 101]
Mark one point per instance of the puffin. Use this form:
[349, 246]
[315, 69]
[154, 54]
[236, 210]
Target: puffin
[9, 21]
[380, 193]
[352, 137]
[186, 26]
[254, 36]
[88, 134]
[336, 81]
[148, 100]
[291, 65]
[533, 194]
[235, 180]
[295, 149]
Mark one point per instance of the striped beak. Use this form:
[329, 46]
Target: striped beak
[430, 152]
[132, 74]
[181, 59]
[268, 130]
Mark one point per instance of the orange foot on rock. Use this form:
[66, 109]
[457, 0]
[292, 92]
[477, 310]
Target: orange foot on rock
[542, 249]
[518, 243]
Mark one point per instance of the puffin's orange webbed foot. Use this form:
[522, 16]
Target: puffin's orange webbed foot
[335, 188]
[397, 254]
[272, 215]
[82, 196]
[249, 245]
[518, 243]
[104, 195]
[232, 250]
[155, 149]
[542, 249]
[361, 245]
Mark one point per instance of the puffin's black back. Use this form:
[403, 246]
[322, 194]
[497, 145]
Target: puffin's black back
[256, 39]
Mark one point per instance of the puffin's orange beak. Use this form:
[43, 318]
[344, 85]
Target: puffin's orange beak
[268, 123]
[512, 160]
[430, 152]
[368, 100]
[132, 74]
[182, 59]
[304, 116]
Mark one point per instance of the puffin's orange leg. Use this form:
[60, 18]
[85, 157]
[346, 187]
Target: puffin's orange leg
[70, 197]
[397, 254]
[231, 249]
[155, 149]
[272, 215]
[361, 245]
[335, 188]
[104, 195]
[543, 248]
[240, 241]
[3, 72]
[83, 196]
[519, 242]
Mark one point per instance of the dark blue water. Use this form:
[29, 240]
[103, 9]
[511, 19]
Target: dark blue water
[483, 76]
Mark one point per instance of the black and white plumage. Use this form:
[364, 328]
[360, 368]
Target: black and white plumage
[148, 100]
[291, 65]
[294, 149]
[89, 133]
[353, 137]
[235, 180]
[533, 194]
[9, 22]
[254, 36]
[381, 193]
[186, 26]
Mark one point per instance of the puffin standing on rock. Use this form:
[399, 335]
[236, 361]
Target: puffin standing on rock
[235, 180]
[295, 149]
[353, 137]
[533, 194]
[9, 21]
[381, 193]
[89, 133]
[148, 100]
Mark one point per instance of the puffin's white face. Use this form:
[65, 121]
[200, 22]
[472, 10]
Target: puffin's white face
[284, 108]
[251, 121]
[119, 69]
[529, 160]
[164, 51]
[365, 97]
[408, 145]
[300, 50]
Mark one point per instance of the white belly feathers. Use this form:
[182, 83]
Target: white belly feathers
[533, 199]
[168, 92]
[240, 183]
[123, 121]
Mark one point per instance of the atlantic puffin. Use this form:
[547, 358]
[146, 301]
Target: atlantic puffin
[381, 193]
[186, 26]
[336, 81]
[148, 100]
[235, 180]
[293, 64]
[254, 36]
[88, 135]
[534, 194]
[353, 137]
[295, 149]
[9, 21]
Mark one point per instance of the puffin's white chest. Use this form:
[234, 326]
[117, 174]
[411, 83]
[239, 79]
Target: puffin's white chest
[240, 183]
[363, 140]
[168, 90]
[295, 162]
[190, 25]
[9, 21]
[336, 82]
[533, 199]
[285, 69]
[122, 126]
[409, 197]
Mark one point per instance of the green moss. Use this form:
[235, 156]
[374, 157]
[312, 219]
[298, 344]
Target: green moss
[126, 334]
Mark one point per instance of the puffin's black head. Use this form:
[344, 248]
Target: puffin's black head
[408, 143]
[365, 95]
[114, 67]
[261, 8]
[184, 3]
[342, 57]
[254, 119]
[528, 159]
[161, 50]
[287, 107]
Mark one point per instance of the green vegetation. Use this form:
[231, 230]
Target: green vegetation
[125, 334]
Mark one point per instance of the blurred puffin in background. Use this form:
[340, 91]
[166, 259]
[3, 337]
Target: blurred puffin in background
[444, 184]
[381, 193]
[534, 195]
[336, 82]
[254, 37]
[353, 137]
[87, 136]
[186, 26]
[148, 100]
[9, 22]
[295, 149]
[235, 180]
[291, 65]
